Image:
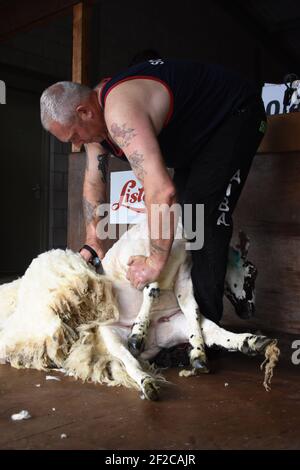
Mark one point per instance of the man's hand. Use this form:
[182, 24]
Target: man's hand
[142, 271]
[93, 243]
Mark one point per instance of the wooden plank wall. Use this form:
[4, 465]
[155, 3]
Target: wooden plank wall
[76, 227]
[283, 134]
[269, 212]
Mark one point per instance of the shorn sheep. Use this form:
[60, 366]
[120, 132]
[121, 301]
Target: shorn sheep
[62, 314]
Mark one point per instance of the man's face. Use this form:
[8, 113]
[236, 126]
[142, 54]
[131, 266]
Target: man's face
[77, 133]
[88, 126]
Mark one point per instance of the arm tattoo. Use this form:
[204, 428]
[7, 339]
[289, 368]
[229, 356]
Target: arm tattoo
[102, 165]
[88, 210]
[136, 161]
[122, 135]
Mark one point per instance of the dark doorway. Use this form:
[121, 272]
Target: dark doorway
[24, 181]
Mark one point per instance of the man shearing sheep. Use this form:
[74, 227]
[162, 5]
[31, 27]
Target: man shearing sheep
[202, 120]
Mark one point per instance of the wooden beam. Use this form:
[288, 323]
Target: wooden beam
[80, 27]
[80, 40]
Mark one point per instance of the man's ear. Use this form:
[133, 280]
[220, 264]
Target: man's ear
[84, 112]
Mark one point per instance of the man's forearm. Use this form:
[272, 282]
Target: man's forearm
[162, 222]
[93, 196]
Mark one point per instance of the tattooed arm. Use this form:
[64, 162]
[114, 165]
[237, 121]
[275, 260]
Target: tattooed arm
[94, 194]
[133, 130]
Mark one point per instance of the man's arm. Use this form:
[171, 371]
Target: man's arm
[131, 127]
[94, 194]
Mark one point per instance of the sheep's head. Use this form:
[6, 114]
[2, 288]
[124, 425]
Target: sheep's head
[240, 279]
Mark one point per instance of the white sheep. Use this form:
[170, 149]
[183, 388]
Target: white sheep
[61, 313]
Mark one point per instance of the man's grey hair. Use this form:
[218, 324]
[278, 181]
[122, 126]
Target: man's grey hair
[59, 102]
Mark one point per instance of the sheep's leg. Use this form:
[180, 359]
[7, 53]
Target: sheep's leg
[136, 340]
[116, 347]
[246, 343]
[184, 293]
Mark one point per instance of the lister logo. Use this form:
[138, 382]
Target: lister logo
[2, 92]
[127, 198]
[130, 195]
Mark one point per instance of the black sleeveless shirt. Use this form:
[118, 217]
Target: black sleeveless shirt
[201, 97]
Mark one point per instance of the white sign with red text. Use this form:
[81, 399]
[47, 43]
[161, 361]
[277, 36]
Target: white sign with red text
[126, 198]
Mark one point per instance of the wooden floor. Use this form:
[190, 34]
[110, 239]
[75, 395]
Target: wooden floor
[228, 409]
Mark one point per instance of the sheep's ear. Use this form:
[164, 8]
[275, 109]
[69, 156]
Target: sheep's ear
[243, 244]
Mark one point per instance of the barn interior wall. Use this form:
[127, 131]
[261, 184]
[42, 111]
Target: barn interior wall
[202, 31]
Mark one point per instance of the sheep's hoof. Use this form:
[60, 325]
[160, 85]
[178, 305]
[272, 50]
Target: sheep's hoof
[257, 346]
[150, 390]
[261, 343]
[154, 292]
[200, 365]
[136, 345]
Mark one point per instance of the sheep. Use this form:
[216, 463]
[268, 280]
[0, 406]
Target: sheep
[63, 314]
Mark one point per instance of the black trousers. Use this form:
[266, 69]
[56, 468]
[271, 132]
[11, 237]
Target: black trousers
[216, 179]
